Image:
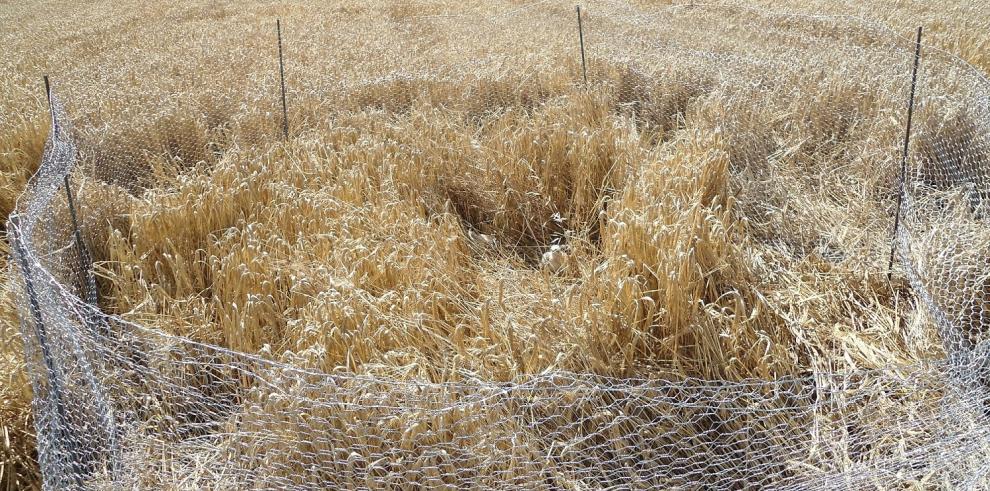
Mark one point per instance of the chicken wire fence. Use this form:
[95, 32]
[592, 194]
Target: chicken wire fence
[121, 405]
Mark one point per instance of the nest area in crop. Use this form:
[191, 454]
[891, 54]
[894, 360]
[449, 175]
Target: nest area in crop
[415, 242]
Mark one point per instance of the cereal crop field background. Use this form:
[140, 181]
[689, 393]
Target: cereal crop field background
[459, 202]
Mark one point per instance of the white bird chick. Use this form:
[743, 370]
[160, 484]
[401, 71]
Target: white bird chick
[555, 259]
[481, 240]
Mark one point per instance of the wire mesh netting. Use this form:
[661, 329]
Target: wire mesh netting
[817, 103]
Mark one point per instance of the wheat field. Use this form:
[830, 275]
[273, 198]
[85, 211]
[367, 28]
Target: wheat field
[485, 220]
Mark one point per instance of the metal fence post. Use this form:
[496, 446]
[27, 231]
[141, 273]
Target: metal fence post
[904, 156]
[584, 65]
[85, 259]
[281, 74]
[87, 280]
[41, 334]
